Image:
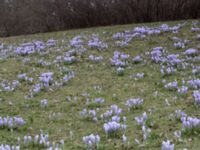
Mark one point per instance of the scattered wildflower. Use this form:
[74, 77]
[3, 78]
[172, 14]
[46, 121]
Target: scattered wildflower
[167, 145]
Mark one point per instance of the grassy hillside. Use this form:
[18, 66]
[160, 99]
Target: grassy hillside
[92, 71]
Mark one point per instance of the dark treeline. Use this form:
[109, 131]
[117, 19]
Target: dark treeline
[33, 16]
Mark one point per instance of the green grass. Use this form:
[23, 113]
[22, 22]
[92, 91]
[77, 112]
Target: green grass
[88, 75]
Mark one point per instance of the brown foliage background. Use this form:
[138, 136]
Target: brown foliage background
[33, 16]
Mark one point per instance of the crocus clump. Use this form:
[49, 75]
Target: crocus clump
[24, 77]
[171, 85]
[91, 141]
[1, 46]
[183, 90]
[69, 59]
[25, 49]
[179, 114]
[196, 70]
[194, 83]
[99, 100]
[138, 76]
[42, 62]
[124, 139]
[9, 147]
[134, 103]
[157, 55]
[33, 47]
[39, 45]
[96, 43]
[190, 123]
[112, 128]
[118, 36]
[137, 59]
[12, 122]
[10, 86]
[191, 52]
[173, 59]
[96, 59]
[46, 79]
[121, 43]
[89, 114]
[68, 77]
[44, 103]
[146, 30]
[198, 36]
[51, 42]
[113, 111]
[145, 132]
[36, 89]
[77, 42]
[165, 71]
[119, 59]
[196, 95]
[120, 71]
[141, 120]
[42, 140]
[195, 29]
[179, 45]
[167, 145]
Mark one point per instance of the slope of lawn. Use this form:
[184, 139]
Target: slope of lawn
[71, 84]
